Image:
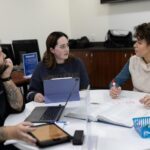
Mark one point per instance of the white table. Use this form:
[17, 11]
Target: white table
[102, 136]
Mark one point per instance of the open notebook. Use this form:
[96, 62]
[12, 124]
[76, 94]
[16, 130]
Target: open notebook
[50, 114]
[114, 112]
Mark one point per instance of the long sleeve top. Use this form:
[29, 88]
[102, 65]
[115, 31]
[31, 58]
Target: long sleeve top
[138, 71]
[123, 76]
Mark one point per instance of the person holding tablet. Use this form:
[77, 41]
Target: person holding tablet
[56, 62]
[138, 66]
[11, 101]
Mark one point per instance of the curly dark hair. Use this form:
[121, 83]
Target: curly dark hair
[142, 32]
[48, 57]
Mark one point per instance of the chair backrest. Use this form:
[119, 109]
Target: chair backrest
[7, 49]
[25, 46]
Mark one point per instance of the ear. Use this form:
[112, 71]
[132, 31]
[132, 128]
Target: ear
[52, 50]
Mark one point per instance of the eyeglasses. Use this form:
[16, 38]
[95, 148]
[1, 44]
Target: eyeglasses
[63, 46]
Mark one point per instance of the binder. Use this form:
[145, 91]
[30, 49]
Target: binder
[59, 89]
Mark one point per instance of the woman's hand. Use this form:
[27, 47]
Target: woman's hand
[39, 98]
[146, 100]
[21, 132]
[115, 92]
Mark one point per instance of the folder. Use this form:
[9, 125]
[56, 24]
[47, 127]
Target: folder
[61, 90]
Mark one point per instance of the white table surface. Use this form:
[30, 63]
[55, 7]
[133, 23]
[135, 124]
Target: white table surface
[101, 136]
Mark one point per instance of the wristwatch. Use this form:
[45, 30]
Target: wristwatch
[5, 79]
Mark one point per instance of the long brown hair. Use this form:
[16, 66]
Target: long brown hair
[48, 57]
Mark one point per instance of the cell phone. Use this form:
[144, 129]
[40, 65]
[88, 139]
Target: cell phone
[78, 137]
[50, 134]
[3, 68]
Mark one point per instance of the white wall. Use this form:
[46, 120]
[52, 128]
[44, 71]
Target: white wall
[90, 18]
[27, 19]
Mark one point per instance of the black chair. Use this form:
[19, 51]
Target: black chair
[25, 46]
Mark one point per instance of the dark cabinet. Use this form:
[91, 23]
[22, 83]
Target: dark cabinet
[104, 64]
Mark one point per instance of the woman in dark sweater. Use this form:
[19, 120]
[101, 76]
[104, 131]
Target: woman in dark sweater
[56, 62]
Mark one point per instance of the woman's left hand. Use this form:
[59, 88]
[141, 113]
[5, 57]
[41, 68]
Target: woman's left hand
[146, 100]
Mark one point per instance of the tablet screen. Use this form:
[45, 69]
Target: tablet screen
[49, 132]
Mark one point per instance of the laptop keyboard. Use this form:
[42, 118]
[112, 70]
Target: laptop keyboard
[52, 114]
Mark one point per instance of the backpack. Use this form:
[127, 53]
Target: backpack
[83, 42]
[118, 39]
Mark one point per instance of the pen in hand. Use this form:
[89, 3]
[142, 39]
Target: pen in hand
[113, 83]
[115, 90]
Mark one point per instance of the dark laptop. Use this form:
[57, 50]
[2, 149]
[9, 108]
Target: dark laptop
[49, 114]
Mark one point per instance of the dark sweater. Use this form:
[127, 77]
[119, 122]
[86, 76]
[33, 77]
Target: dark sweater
[73, 68]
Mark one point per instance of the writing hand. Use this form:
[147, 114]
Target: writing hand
[115, 92]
